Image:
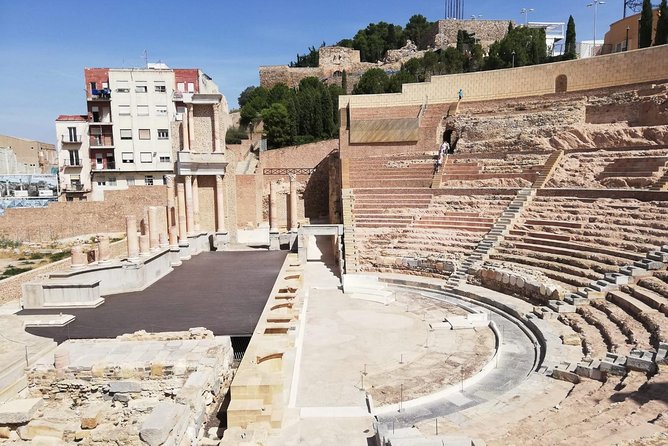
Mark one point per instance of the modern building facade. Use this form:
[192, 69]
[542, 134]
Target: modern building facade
[623, 34]
[26, 156]
[137, 120]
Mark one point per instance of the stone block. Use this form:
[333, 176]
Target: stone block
[156, 427]
[91, 417]
[19, 411]
[47, 441]
[641, 361]
[124, 387]
[4, 432]
[41, 428]
[571, 339]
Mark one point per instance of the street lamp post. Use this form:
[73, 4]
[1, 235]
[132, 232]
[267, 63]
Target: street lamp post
[513, 53]
[525, 12]
[595, 4]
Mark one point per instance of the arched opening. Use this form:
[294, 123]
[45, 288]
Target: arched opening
[561, 84]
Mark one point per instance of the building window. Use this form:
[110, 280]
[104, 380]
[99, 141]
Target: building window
[141, 88]
[142, 110]
[145, 157]
[123, 87]
[144, 134]
[181, 87]
[191, 87]
[165, 159]
[131, 181]
[127, 157]
[101, 182]
[111, 181]
[163, 134]
[161, 110]
[124, 110]
[148, 180]
[160, 87]
[126, 133]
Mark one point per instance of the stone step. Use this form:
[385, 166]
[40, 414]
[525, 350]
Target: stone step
[649, 265]
[658, 256]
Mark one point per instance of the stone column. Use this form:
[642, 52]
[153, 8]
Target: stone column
[144, 246]
[293, 202]
[79, 259]
[103, 248]
[172, 234]
[220, 210]
[216, 128]
[273, 220]
[191, 126]
[190, 216]
[196, 204]
[183, 228]
[164, 241]
[186, 130]
[171, 200]
[154, 236]
[274, 238]
[133, 240]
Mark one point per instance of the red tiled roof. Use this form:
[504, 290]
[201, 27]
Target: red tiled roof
[83, 118]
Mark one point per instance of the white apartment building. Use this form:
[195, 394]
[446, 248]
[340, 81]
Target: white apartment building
[126, 139]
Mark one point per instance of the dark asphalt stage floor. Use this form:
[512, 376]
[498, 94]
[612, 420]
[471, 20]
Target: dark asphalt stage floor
[222, 291]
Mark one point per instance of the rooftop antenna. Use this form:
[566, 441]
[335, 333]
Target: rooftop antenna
[146, 58]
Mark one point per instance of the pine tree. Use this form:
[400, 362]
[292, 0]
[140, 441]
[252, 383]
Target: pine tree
[661, 37]
[645, 37]
[569, 47]
[344, 82]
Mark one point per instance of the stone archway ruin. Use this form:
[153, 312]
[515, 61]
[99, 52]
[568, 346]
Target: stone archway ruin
[561, 84]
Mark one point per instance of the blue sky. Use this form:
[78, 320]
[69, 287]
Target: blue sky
[45, 44]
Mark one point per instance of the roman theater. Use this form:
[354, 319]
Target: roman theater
[354, 292]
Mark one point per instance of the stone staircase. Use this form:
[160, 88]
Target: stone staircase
[661, 183]
[350, 252]
[548, 169]
[493, 238]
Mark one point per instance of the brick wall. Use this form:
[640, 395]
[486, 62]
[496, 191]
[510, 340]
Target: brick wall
[247, 212]
[186, 75]
[585, 74]
[97, 75]
[79, 218]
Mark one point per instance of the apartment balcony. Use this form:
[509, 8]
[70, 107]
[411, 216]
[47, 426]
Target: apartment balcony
[74, 188]
[73, 163]
[71, 139]
[195, 163]
[105, 165]
[100, 95]
[101, 142]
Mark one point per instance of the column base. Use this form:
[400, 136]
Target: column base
[175, 256]
[274, 241]
[221, 240]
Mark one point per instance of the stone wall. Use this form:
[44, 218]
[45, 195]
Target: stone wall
[313, 189]
[248, 213]
[11, 288]
[581, 75]
[135, 390]
[486, 31]
[81, 218]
